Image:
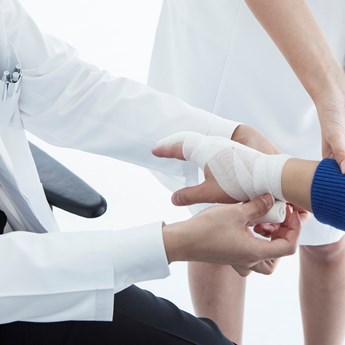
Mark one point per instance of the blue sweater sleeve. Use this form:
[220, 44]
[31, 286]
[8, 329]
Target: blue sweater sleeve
[328, 194]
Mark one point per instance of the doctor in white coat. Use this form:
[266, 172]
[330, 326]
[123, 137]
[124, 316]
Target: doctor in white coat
[73, 276]
[217, 56]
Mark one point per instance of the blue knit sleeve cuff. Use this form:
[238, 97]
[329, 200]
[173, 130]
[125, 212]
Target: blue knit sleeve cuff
[328, 194]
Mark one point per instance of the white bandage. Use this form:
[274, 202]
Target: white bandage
[243, 173]
[276, 214]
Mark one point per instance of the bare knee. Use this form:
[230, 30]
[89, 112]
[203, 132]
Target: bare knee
[325, 254]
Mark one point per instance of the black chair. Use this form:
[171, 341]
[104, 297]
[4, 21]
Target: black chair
[64, 189]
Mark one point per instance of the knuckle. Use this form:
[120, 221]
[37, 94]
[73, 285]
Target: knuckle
[259, 208]
[269, 271]
[184, 200]
[292, 249]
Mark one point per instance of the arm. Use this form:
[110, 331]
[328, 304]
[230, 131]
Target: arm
[295, 31]
[234, 173]
[74, 275]
[220, 235]
[297, 178]
[68, 102]
[319, 186]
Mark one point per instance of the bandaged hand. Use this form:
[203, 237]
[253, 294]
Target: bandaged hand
[240, 173]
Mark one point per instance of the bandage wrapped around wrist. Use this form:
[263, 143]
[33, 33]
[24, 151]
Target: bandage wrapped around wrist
[243, 173]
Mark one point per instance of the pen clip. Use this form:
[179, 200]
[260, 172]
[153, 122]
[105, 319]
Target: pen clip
[5, 90]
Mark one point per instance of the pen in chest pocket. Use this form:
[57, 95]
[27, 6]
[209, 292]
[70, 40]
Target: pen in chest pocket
[11, 84]
[6, 77]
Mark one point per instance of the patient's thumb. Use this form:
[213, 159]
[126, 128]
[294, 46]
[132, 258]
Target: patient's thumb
[191, 195]
[169, 151]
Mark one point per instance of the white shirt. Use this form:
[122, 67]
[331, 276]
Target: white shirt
[67, 102]
[215, 55]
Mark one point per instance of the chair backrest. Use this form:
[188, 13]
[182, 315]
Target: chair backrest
[66, 190]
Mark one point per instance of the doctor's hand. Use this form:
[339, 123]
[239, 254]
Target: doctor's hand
[220, 234]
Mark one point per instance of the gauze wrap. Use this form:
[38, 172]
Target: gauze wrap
[243, 173]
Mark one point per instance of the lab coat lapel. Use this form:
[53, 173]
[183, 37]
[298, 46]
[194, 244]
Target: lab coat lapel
[22, 197]
[21, 178]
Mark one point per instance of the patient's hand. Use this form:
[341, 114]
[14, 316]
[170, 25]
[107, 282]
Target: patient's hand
[250, 137]
[209, 191]
[233, 172]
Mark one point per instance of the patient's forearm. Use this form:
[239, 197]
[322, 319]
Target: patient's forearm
[318, 187]
[235, 172]
[297, 179]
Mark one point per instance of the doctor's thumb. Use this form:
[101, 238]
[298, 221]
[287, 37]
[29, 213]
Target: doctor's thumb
[257, 207]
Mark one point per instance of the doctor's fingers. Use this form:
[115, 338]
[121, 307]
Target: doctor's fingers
[242, 271]
[283, 241]
[255, 208]
[266, 267]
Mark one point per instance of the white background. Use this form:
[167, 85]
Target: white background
[118, 36]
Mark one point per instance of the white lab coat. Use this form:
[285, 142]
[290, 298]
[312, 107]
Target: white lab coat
[215, 55]
[73, 276]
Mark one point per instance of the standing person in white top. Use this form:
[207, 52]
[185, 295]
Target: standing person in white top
[216, 55]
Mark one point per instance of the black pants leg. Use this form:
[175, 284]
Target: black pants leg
[140, 318]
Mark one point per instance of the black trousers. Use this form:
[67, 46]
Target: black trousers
[140, 318]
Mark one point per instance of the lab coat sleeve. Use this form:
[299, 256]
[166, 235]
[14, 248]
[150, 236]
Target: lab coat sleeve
[68, 276]
[74, 275]
[68, 102]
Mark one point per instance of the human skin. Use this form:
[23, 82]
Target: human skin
[296, 33]
[221, 235]
[294, 30]
[324, 263]
[297, 176]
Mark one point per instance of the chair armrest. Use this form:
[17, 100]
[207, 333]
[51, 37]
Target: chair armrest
[64, 189]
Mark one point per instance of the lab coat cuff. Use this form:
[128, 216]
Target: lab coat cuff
[223, 128]
[139, 255]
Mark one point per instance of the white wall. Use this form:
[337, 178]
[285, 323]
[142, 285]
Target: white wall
[118, 36]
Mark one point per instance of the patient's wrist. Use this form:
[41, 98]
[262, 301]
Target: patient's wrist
[297, 177]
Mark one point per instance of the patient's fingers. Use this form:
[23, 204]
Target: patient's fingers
[206, 192]
[171, 146]
[169, 151]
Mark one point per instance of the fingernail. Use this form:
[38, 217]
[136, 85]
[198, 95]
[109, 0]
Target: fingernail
[342, 167]
[175, 199]
[157, 144]
[268, 200]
